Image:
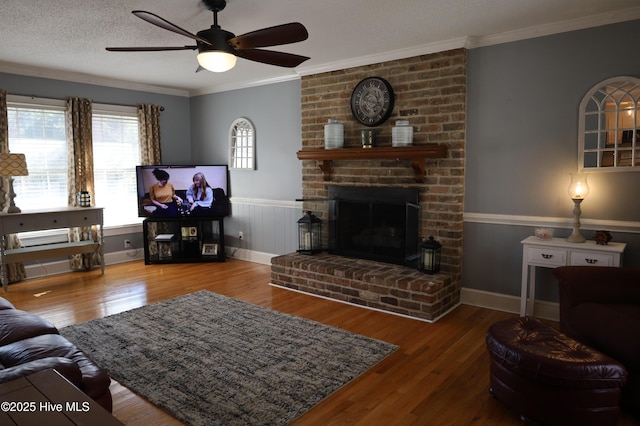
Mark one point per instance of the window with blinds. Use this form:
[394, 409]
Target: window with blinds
[116, 152]
[39, 132]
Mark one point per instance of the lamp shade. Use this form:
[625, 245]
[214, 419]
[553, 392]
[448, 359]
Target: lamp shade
[13, 165]
[578, 187]
[217, 61]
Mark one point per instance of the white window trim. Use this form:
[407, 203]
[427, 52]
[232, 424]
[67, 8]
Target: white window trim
[635, 147]
[232, 138]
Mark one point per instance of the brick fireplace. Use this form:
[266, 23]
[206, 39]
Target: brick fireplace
[430, 92]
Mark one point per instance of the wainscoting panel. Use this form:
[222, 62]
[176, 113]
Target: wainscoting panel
[269, 226]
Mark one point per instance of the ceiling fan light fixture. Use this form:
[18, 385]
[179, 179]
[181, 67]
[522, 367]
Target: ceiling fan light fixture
[217, 61]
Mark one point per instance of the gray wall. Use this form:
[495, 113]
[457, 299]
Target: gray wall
[522, 143]
[275, 112]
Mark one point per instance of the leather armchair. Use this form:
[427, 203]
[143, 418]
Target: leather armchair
[600, 307]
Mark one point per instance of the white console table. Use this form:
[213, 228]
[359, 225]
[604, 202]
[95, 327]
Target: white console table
[37, 220]
[557, 252]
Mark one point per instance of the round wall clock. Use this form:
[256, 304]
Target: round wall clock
[372, 101]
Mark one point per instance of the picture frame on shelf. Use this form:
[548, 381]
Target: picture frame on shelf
[209, 249]
[164, 250]
[189, 232]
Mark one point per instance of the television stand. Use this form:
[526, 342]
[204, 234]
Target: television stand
[184, 239]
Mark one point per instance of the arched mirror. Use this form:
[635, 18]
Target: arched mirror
[242, 145]
[609, 133]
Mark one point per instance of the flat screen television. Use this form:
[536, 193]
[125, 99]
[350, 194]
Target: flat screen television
[181, 179]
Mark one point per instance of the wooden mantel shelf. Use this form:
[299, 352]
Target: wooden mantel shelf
[416, 155]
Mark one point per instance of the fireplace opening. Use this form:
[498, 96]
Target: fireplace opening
[374, 223]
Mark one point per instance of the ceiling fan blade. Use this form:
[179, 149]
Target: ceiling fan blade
[154, 19]
[272, 36]
[149, 49]
[271, 57]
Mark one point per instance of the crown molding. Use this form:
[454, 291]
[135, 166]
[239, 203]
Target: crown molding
[555, 28]
[385, 57]
[244, 85]
[23, 70]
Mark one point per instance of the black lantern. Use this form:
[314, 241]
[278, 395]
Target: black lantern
[309, 234]
[430, 256]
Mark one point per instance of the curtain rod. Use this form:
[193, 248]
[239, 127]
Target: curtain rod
[65, 99]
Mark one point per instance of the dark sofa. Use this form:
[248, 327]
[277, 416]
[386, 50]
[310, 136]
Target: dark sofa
[600, 307]
[29, 344]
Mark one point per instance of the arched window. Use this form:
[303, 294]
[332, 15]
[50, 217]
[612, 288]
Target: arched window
[242, 146]
[609, 134]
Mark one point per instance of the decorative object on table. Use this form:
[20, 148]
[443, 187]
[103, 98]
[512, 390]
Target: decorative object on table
[578, 191]
[333, 134]
[12, 165]
[402, 134]
[309, 234]
[429, 259]
[602, 237]
[244, 364]
[368, 138]
[544, 233]
[372, 101]
[84, 199]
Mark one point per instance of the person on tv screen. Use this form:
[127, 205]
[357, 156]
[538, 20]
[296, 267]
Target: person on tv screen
[200, 195]
[163, 195]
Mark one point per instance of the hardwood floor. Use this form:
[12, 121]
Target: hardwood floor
[438, 376]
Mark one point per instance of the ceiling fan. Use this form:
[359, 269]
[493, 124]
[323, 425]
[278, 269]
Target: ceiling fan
[218, 49]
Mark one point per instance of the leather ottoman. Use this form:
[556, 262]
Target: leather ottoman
[547, 377]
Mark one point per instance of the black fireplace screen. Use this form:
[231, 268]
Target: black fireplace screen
[375, 223]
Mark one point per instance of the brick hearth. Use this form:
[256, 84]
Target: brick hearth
[392, 288]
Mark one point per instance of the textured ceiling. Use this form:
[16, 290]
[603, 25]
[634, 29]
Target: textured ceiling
[66, 38]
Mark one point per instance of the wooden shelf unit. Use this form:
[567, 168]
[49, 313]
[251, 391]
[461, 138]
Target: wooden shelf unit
[415, 154]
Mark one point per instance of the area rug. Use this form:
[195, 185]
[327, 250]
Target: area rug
[212, 360]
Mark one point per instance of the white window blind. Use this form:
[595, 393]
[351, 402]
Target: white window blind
[39, 132]
[116, 152]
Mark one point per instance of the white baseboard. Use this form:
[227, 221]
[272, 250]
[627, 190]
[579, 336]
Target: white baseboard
[249, 255]
[507, 303]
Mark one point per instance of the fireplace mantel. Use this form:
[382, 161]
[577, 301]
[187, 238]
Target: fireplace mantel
[416, 155]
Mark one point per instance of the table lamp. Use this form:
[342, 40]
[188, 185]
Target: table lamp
[12, 165]
[578, 191]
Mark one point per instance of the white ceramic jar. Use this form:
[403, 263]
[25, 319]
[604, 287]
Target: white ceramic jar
[333, 134]
[402, 134]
